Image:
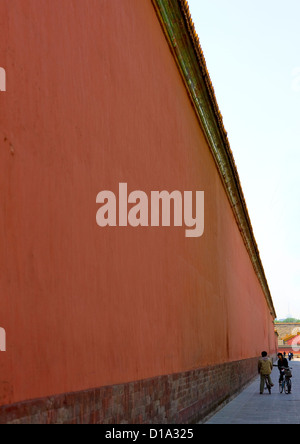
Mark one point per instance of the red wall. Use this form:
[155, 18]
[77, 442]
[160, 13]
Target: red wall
[94, 98]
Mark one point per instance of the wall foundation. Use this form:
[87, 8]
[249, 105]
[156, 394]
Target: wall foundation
[181, 398]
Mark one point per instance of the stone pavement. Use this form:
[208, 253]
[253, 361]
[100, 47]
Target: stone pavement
[252, 408]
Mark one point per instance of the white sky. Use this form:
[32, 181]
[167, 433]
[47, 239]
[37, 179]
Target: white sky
[252, 50]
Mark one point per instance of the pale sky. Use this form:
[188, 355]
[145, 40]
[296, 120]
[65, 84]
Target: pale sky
[252, 50]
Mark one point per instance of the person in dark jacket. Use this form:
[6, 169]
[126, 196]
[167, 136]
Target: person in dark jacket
[282, 364]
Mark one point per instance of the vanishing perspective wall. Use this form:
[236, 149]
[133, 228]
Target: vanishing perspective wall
[93, 99]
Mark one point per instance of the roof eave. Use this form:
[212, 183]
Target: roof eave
[176, 21]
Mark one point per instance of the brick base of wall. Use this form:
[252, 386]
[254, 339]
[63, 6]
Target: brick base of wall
[181, 398]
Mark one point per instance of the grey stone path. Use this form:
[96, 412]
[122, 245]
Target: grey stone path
[252, 408]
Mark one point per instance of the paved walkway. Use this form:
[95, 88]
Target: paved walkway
[252, 408]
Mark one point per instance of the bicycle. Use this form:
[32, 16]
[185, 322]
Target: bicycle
[286, 384]
[268, 385]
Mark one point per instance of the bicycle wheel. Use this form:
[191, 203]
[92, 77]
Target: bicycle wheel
[288, 386]
[281, 387]
[268, 387]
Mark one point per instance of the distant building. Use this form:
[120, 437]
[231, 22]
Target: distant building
[288, 337]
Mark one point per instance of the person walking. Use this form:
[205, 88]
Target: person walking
[265, 367]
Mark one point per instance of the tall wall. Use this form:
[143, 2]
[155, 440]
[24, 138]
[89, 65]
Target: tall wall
[94, 98]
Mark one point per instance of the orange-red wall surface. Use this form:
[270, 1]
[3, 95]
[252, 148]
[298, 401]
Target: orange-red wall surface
[94, 98]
